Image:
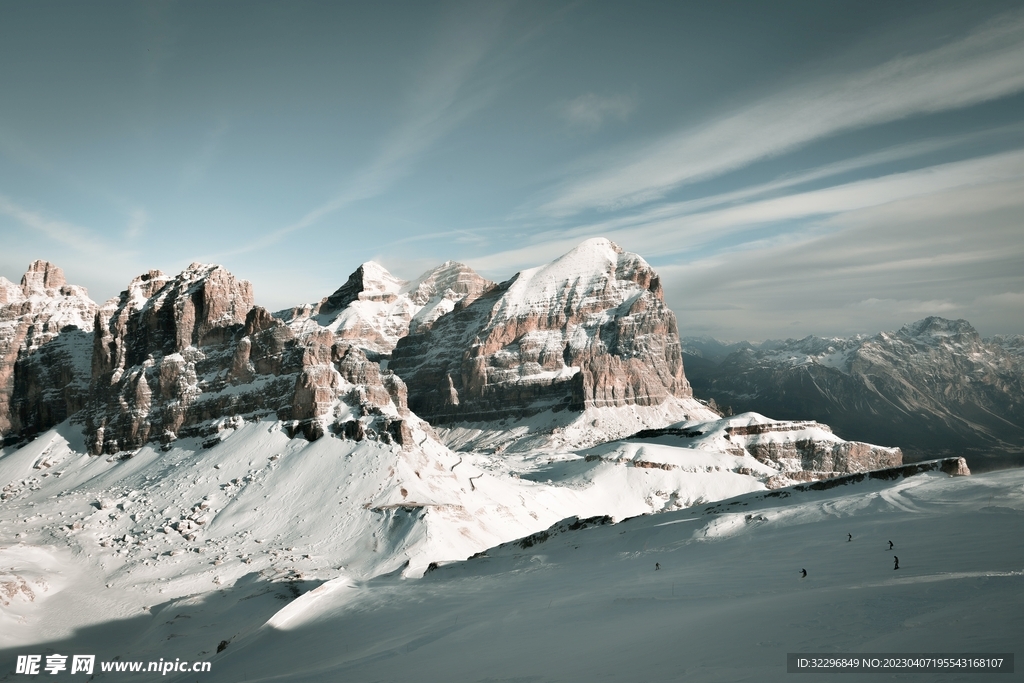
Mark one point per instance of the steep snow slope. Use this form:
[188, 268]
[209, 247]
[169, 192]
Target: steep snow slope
[253, 512]
[200, 515]
[253, 507]
[553, 430]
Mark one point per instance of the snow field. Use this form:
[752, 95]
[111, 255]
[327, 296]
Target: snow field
[307, 557]
[589, 605]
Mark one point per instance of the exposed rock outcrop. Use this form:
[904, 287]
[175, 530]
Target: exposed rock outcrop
[158, 347]
[182, 356]
[590, 329]
[808, 447]
[796, 450]
[374, 309]
[45, 337]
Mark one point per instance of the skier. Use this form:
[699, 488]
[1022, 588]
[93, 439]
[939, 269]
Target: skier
[890, 545]
[803, 573]
[657, 566]
[897, 563]
[849, 537]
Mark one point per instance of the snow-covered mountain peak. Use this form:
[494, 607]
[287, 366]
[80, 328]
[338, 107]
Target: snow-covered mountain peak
[369, 282]
[43, 285]
[375, 272]
[374, 309]
[450, 275]
[46, 328]
[595, 254]
[377, 281]
[585, 278]
[42, 275]
[10, 292]
[589, 330]
[438, 290]
[833, 352]
[934, 328]
[46, 297]
[1013, 344]
[933, 386]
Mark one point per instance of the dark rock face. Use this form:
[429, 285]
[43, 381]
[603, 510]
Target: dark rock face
[159, 354]
[934, 387]
[45, 337]
[176, 357]
[590, 329]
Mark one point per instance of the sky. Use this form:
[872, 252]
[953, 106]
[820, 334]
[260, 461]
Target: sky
[789, 168]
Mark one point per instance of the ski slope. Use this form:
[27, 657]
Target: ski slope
[727, 603]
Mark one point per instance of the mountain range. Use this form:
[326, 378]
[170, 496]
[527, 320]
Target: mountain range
[934, 387]
[181, 464]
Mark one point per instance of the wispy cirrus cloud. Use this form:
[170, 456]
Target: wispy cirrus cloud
[682, 227]
[910, 306]
[86, 257]
[446, 94]
[866, 269]
[75, 237]
[983, 65]
[589, 111]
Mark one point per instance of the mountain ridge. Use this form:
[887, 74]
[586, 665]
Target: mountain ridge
[935, 386]
[576, 352]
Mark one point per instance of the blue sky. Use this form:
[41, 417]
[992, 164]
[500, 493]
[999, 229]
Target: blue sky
[789, 168]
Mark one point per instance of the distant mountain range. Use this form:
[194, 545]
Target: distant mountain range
[934, 387]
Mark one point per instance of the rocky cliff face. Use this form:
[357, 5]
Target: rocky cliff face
[934, 387]
[374, 309]
[45, 337]
[577, 352]
[185, 355]
[590, 329]
[158, 348]
[792, 450]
